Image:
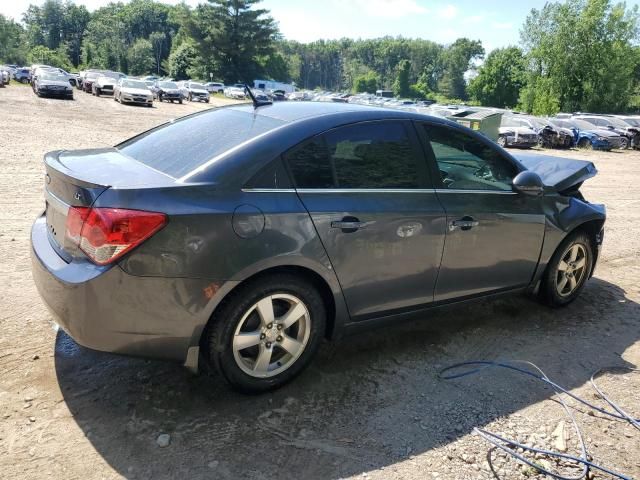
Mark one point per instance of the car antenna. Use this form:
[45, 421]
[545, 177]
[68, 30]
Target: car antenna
[256, 103]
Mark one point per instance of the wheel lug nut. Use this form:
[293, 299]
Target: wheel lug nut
[262, 335]
[270, 325]
[279, 338]
[268, 344]
[279, 327]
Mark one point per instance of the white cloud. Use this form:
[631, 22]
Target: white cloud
[388, 8]
[502, 25]
[472, 19]
[448, 12]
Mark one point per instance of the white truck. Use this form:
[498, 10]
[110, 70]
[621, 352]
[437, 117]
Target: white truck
[270, 86]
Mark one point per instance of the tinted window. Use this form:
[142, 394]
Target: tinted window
[372, 155]
[466, 163]
[310, 165]
[179, 147]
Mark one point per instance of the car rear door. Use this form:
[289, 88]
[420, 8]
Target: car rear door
[494, 235]
[369, 194]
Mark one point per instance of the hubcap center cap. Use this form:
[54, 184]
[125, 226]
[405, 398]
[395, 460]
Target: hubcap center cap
[271, 334]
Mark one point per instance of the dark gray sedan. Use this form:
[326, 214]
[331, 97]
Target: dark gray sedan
[245, 236]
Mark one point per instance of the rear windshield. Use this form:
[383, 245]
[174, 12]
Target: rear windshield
[179, 147]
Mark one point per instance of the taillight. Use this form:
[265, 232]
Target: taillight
[105, 234]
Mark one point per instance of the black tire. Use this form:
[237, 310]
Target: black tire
[585, 143]
[624, 143]
[227, 318]
[190, 98]
[180, 101]
[207, 100]
[550, 282]
[502, 141]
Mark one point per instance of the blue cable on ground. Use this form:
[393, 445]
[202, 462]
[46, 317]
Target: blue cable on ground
[507, 445]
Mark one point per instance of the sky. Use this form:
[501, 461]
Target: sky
[495, 22]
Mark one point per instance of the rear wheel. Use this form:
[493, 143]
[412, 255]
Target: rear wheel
[568, 270]
[266, 333]
[585, 143]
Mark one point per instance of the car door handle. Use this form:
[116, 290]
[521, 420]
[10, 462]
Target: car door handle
[349, 224]
[464, 223]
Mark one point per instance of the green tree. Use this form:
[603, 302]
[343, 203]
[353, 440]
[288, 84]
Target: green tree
[500, 78]
[367, 83]
[157, 40]
[233, 35]
[140, 57]
[44, 55]
[457, 60]
[401, 86]
[181, 61]
[12, 43]
[581, 53]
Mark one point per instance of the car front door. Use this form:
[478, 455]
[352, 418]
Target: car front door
[370, 196]
[494, 235]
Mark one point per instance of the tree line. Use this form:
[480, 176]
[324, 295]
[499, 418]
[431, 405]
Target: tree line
[577, 55]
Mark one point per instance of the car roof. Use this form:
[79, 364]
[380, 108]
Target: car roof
[292, 112]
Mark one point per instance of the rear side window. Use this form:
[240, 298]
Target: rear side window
[363, 156]
[180, 147]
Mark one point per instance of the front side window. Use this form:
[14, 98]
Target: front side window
[466, 163]
[364, 156]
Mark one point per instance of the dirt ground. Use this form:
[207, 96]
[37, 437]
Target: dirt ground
[370, 406]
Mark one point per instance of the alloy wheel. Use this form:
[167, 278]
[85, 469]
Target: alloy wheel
[571, 270]
[271, 335]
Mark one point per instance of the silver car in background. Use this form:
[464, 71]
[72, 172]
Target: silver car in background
[132, 91]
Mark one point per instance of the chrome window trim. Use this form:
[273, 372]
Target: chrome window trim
[373, 190]
[269, 190]
[366, 190]
[493, 192]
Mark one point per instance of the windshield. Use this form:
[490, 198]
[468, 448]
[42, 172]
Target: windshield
[180, 147]
[582, 124]
[53, 76]
[134, 84]
[616, 122]
[167, 85]
[632, 121]
[196, 85]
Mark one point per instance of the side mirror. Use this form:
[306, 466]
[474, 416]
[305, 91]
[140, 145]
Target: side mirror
[528, 183]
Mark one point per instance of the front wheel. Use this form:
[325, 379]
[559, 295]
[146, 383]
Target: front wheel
[568, 270]
[624, 143]
[267, 332]
[502, 141]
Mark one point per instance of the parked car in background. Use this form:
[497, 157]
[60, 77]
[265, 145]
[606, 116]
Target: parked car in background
[51, 83]
[89, 79]
[128, 90]
[629, 133]
[105, 83]
[196, 92]
[236, 91]
[298, 96]
[169, 91]
[214, 87]
[23, 75]
[549, 134]
[307, 222]
[512, 133]
[589, 136]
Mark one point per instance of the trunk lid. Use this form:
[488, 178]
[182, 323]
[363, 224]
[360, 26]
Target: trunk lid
[556, 172]
[77, 178]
